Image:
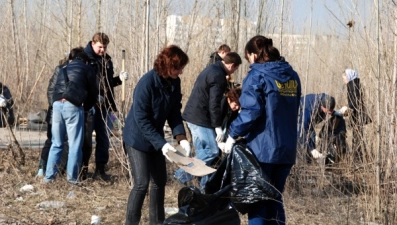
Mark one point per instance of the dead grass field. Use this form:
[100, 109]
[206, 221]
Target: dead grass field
[310, 198]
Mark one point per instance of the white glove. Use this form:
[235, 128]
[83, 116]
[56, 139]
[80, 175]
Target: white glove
[101, 99]
[124, 76]
[316, 154]
[186, 146]
[3, 102]
[167, 147]
[219, 134]
[344, 110]
[229, 145]
[221, 146]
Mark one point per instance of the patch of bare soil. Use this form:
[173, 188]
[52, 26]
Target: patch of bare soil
[306, 201]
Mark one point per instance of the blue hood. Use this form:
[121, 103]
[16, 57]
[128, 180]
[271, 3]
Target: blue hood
[278, 70]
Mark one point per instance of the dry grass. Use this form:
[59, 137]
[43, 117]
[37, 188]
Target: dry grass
[313, 196]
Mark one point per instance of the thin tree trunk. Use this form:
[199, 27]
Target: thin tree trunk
[147, 35]
[98, 22]
[15, 38]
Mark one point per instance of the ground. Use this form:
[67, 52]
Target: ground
[306, 200]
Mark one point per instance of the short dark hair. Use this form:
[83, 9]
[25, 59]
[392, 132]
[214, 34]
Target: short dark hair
[232, 57]
[78, 53]
[328, 102]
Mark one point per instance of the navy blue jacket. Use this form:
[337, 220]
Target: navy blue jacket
[204, 105]
[310, 112]
[155, 101]
[103, 69]
[269, 112]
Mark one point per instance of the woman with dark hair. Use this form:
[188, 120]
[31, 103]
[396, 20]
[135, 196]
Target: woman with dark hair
[359, 116]
[157, 99]
[267, 120]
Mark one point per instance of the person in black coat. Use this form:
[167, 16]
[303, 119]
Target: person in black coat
[102, 64]
[203, 112]
[157, 99]
[219, 54]
[68, 114]
[8, 107]
[356, 106]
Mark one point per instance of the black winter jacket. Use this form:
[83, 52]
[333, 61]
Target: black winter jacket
[79, 73]
[103, 69]
[203, 107]
[50, 92]
[356, 103]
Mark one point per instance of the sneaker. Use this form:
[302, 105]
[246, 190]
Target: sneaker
[40, 173]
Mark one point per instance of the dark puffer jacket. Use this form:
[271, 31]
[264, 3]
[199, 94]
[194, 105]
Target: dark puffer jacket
[79, 73]
[214, 57]
[103, 69]
[50, 92]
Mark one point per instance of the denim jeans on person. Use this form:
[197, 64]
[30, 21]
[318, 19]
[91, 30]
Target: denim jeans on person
[206, 149]
[146, 167]
[102, 136]
[67, 119]
[271, 212]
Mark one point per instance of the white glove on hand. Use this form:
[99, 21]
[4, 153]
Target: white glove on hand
[167, 147]
[186, 146]
[229, 145]
[101, 99]
[3, 101]
[316, 154]
[219, 134]
[221, 146]
[344, 110]
[123, 76]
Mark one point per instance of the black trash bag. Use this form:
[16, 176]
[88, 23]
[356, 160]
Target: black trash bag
[202, 209]
[242, 171]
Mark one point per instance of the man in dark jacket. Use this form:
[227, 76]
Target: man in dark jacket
[313, 110]
[218, 55]
[68, 117]
[6, 96]
[203, 111]
[103, 67]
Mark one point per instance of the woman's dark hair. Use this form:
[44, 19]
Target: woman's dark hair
[234, 95]
[171, 57]
[263, 48]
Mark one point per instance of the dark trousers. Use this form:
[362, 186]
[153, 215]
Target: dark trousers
[146, 167]
[271, 211]
[358, 146]
[102, 136]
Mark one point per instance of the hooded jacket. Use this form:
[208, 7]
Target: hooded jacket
[356, 103]
[203, 107]
[103, 68]
[269, 112]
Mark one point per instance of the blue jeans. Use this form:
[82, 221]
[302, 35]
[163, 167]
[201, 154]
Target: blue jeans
[102, 136]
[206, 149]
[67, 119]
[271, 211]
[146, 167]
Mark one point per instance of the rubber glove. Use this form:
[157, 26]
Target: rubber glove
[186, 146]
[229, 145]
[166, 148]
[316, 154]
[219, 134]
[124, 75]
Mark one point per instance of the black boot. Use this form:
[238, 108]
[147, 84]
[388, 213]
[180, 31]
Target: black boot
[84, 173]
[100, 171]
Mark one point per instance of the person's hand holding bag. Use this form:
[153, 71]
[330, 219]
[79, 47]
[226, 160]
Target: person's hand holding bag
[166, 148]
[219, 134]
[229, 145]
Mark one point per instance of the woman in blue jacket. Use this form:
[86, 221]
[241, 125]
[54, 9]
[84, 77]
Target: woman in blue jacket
[269, 111]
[157, 99]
